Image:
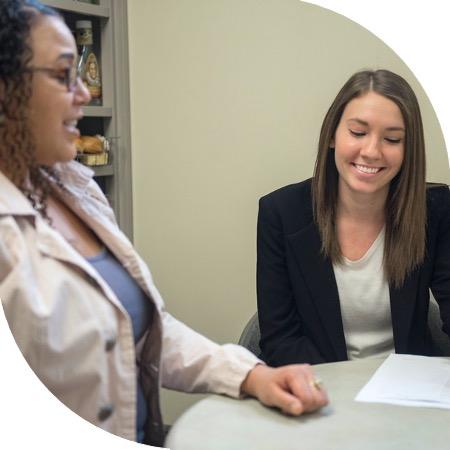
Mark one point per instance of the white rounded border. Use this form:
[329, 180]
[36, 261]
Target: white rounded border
[32, 418]
[419, 33]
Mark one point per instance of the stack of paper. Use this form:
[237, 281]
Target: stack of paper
[410, 380]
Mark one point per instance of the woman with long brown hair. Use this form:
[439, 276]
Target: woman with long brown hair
[80, 302]
[346, 259]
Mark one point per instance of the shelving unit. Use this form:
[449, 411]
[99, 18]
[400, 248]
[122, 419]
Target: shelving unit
[100, 10]
[103, 171]
[112, 118]
[97, 111]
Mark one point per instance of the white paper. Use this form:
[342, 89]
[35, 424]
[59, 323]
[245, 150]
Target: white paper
[410, 380]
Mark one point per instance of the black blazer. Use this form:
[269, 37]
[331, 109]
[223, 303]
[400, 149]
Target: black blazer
[298, 301]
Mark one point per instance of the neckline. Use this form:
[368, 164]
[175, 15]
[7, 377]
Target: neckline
[98, 257]
[370, 251]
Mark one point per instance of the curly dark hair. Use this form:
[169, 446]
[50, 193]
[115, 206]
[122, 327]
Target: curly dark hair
[17, 149]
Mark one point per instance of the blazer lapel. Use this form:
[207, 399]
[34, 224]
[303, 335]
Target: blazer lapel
[319, 277]
[403, 302]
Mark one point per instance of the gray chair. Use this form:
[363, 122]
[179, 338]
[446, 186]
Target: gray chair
[250, 335]
[440, 340]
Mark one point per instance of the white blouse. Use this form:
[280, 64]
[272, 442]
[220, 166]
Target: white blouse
[365, 303]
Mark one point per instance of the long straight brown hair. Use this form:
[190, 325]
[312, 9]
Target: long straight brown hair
[405, 209]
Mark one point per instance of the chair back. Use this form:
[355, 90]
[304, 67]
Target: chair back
[440, 340]
[250, 336]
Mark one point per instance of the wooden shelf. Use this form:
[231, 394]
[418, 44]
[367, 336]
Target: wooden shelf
[79, 7]
[97, 111]
[103, 171]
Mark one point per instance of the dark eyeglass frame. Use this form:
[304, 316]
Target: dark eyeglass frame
[70, 75]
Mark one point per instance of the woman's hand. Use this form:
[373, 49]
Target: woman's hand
[292, 388]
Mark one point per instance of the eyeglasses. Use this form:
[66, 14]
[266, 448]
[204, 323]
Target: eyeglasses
[68, 76]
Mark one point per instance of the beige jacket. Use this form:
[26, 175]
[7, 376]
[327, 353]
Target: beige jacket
[74, 332]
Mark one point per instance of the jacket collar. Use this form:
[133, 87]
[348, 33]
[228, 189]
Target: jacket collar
[74, 176]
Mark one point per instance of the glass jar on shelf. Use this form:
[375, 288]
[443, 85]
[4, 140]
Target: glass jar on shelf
[88, 66]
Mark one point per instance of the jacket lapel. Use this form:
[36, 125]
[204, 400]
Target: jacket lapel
[403, 302]
[50, 243]
[318, 275]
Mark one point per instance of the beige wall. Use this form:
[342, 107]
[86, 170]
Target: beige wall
[227, 98]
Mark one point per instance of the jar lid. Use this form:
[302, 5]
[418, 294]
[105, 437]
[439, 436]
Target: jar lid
[83, 24]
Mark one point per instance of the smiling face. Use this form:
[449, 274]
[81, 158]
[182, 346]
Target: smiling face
[53, 110]
[369, 145]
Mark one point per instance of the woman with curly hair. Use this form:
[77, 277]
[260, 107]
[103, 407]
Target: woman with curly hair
[346, 259]
[80, 302]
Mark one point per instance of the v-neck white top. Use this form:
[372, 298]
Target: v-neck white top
[365, 303]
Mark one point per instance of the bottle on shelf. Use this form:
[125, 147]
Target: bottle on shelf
[88, 66]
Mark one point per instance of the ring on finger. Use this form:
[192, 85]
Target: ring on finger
[316, 383]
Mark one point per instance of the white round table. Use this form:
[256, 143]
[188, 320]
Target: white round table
[221, 423]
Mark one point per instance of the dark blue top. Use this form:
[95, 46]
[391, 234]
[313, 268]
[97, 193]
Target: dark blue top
[138, 307]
